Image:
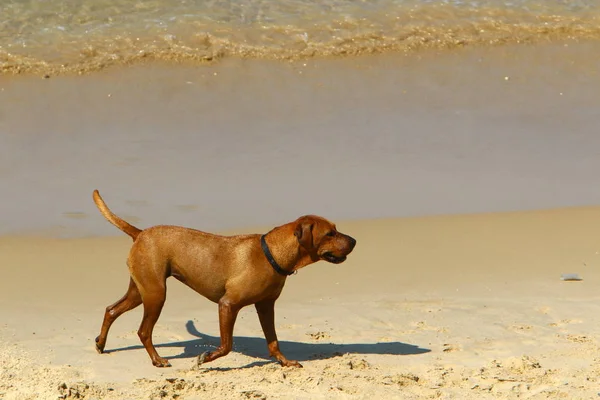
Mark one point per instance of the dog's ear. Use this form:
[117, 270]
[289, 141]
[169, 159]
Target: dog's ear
[303, 232]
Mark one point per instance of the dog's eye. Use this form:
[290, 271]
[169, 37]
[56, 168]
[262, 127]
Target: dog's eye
[331, 233]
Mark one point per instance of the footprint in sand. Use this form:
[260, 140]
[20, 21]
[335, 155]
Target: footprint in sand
[520, 328]
[422, 325]
[579, 339]
[450, 348]
[565, 322]
[544, 310]
[407, 379]
[318, 335]
[359, 364]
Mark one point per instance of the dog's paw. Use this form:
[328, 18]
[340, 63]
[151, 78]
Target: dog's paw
[201, 358]
[291, 363]
[99, 347]
[161, 362]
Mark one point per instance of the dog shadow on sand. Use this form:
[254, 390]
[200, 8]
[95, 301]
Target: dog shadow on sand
[257, 347]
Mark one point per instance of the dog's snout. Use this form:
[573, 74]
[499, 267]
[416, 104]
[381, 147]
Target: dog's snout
[351, 242]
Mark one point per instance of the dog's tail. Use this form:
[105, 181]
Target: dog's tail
[113, 219]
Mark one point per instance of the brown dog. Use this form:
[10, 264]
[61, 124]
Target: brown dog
[232, 271]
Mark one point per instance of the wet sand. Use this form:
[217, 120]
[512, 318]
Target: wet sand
[447, 295]
[248, 143]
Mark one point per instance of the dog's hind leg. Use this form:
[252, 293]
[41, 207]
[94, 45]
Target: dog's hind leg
[129, 301]
[153, 304]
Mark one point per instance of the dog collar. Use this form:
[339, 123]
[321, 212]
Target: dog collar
[276, 267]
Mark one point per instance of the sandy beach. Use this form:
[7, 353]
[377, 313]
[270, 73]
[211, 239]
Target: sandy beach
[467, 306]
[468, 178]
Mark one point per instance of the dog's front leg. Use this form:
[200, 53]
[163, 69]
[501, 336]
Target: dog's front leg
[266, 315]
[227, 314]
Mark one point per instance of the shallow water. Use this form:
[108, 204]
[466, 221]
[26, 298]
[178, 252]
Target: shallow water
[255, 142]
[58, 36]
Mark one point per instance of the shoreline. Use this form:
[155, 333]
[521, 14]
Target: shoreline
[262, 228]
[423, 47]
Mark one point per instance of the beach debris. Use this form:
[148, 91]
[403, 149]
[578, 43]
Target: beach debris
[570, 277]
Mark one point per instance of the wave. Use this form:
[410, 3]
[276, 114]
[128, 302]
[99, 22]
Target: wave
[84, 47]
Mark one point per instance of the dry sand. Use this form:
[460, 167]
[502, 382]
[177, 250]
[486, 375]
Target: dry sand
[468, 306]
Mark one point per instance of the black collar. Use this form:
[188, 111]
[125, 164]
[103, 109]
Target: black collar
[276, 267]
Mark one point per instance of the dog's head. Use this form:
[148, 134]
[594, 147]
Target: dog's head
[321, 239]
